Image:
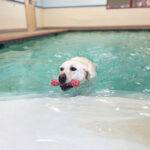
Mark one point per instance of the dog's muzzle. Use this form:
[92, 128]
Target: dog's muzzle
[62, 78]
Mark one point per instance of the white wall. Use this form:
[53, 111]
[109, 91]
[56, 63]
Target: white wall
[96, 17]
[39, 17]
[12, 15]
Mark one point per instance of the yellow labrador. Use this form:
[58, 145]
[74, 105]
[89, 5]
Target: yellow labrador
[79, 68]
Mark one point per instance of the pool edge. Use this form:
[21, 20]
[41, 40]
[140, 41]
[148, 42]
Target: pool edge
[17, 34]
[6, 37]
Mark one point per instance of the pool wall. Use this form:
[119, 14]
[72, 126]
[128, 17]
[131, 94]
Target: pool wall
[12, 16]
[98, 17]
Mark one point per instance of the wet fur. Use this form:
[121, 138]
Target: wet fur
[85, 70]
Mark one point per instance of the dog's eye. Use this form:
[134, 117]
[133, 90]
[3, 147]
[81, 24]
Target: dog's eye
[61, 69]
[73, 69]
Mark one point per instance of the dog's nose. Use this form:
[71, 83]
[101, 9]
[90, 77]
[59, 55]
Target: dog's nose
[62, 78]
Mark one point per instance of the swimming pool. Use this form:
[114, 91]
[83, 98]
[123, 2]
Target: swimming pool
[112, 113]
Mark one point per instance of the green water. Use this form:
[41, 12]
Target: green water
[122, 59]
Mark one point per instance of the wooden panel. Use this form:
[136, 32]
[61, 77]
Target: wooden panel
[12, 30]
[30, 14]
[23, 35]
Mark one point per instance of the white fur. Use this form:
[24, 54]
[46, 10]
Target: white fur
[82, 65]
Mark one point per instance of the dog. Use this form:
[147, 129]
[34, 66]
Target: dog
[79, 68]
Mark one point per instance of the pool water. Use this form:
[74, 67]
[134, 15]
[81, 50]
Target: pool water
[122, 60]
[112, 112]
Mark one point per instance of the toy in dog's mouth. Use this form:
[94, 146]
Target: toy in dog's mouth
[66, 86]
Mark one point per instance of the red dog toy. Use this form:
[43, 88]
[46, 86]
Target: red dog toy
[74, 83]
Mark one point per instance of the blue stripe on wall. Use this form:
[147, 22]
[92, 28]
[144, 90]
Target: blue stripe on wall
[65, 3]
[19, 1]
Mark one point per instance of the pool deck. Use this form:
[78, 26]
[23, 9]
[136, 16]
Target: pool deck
[16, 34]
[5, 37]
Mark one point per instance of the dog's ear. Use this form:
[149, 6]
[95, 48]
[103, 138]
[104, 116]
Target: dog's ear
[87, 75]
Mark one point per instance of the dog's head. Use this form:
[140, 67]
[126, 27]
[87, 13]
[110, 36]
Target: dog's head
[70, 70]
